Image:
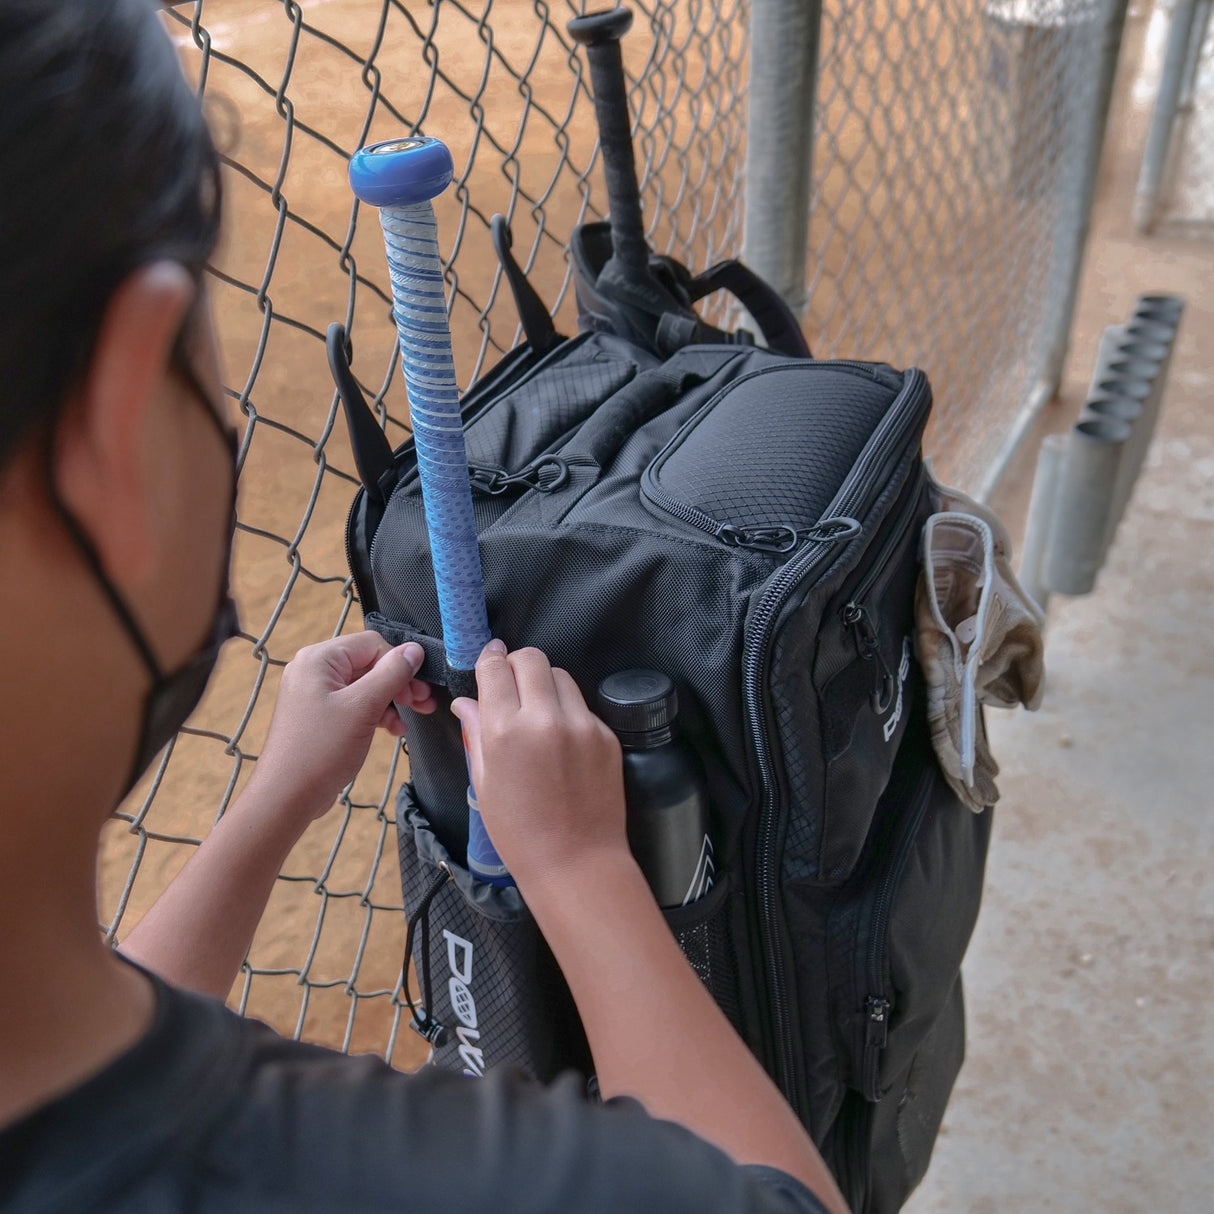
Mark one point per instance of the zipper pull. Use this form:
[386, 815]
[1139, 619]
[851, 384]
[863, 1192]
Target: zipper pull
[876, 1031]
[876, 1034]
[487, 480]
[868, 645]
[545, 474]
[761, 539]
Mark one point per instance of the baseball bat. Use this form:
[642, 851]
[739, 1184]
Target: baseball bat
[600, 34]
[400, 177]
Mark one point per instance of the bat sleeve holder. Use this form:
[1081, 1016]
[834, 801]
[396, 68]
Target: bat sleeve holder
[491, 993]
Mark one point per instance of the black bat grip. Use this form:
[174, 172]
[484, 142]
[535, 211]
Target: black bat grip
[600, 34]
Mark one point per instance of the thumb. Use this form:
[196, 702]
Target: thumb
[387, 680]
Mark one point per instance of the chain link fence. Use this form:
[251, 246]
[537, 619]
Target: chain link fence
[948, 171]
[1176, 183]
[944, 201]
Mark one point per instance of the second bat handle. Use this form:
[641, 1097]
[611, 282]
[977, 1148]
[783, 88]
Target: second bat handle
[600, 34]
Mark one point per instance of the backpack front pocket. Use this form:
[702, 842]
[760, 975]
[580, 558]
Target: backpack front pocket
[722, 474]
[490, 990]
[704, 932]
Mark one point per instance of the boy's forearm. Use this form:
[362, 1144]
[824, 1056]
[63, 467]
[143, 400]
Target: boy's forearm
[197, 933]
[655, 1032]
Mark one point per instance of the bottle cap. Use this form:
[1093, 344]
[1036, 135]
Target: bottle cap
[638, 701]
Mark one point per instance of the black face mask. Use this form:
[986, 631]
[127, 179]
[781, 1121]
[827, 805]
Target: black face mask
[174, 696]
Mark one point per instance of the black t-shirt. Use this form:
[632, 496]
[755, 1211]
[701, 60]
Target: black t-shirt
[209, 1112]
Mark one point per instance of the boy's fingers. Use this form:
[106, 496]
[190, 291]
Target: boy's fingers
[533, 676]
[569, 694]
[423, 697]
[361, 649]
[468, 713]
[392, 722]
[389, 679]
[495, 680]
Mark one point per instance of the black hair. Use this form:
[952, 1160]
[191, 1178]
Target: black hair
[106, 164]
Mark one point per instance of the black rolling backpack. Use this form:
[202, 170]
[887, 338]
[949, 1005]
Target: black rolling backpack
[657, 493]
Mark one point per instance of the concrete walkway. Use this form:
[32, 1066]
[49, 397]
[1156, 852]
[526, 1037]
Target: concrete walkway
[1090, 979]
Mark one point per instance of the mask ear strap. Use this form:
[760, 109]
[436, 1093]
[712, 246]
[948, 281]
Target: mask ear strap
[89, 553]
[183, 367]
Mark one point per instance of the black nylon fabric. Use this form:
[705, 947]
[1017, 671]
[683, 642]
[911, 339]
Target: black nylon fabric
[814, 747]
[566, 393]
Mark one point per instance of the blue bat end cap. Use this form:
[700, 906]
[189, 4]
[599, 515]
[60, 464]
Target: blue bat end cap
[399, 172]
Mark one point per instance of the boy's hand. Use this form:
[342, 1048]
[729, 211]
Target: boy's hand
[332, 698]
[548, 773]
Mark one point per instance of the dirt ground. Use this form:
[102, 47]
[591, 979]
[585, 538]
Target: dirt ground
[917, 218]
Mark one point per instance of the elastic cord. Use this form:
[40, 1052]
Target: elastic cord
[423, 1021]
[89, 552]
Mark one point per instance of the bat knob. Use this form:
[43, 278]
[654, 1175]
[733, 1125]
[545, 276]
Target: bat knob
[401, 172]
[594, 28]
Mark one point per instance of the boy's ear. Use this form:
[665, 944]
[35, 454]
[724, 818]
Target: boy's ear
[107, 442]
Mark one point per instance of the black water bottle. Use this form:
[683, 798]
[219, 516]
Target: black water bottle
[664, 787]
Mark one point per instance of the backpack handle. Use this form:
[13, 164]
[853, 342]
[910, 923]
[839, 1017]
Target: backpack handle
[776, 320]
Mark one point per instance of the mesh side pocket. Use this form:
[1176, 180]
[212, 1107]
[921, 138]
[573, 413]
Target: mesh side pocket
[703, 932]
[490, 990]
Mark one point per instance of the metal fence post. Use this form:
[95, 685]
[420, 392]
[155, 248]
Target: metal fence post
[1089, 147]
[1071, 238]
[1197, 39]
[784, 39]
[1163, 117]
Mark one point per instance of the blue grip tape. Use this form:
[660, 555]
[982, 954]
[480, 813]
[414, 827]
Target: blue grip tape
[400, 177]
[420, 309]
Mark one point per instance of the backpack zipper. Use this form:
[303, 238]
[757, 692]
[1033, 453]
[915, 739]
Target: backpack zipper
[359, 494]
[855, 615]
[779, 539]
[852, 1152]
[877, 1006]
[876, 464]
[479, 399]
[906, 512]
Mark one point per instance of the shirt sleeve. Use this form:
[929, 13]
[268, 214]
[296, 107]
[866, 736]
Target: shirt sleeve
[353, 1134]
[799, 1200]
